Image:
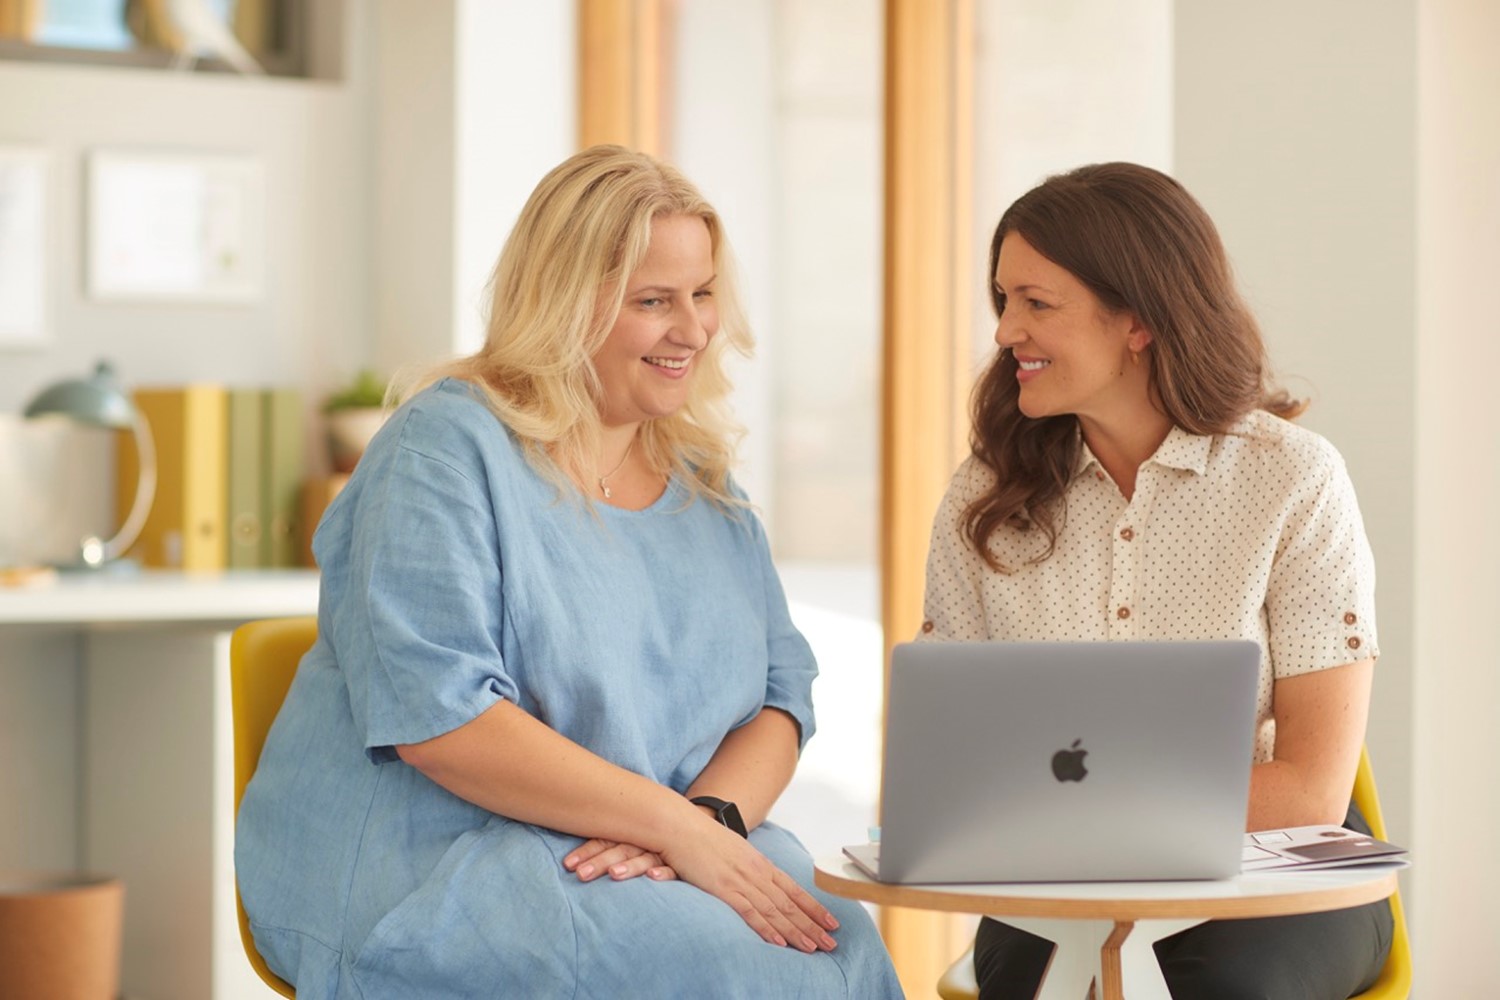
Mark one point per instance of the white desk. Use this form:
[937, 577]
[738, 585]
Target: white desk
[1105, 930]
[115, 755]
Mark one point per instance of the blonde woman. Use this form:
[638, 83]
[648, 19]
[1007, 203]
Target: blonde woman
[556, 690]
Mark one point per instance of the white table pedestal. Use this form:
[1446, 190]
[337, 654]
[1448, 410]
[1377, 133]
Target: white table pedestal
[1118, 955]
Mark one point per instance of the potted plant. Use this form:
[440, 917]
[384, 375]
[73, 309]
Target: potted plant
[354, 414]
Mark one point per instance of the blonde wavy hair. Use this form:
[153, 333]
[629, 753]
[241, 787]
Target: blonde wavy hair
[554, 296]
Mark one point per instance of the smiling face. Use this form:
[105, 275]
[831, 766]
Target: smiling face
[1074, 355]
[667, 318]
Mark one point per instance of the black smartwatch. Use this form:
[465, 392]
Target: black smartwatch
[726, 813]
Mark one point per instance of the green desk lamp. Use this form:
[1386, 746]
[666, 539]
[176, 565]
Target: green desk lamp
[99, 401]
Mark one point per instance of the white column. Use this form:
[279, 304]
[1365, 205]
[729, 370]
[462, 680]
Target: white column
[474, 100]
[1457, 693]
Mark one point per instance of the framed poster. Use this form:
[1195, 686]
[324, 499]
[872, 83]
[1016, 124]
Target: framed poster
[175, 227]
[23, 247]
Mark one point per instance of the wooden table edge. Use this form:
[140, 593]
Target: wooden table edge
[922, 897]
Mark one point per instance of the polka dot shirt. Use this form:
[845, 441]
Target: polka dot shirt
[1252, 534]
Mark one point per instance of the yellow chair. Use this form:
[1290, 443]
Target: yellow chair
[263, 658]
[1395, 978]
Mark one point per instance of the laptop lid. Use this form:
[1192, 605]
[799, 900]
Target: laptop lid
[1067, 761]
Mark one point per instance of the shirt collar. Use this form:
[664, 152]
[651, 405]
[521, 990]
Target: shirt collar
[1181, 450]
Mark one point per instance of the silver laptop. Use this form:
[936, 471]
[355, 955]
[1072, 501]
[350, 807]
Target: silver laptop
[1065, 761]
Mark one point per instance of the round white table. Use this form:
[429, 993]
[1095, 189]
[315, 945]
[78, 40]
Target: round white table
[1104, 930]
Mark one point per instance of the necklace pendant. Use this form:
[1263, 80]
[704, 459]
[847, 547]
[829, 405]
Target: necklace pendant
[605, 490]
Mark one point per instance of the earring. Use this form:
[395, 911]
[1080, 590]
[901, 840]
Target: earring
[1135, 357]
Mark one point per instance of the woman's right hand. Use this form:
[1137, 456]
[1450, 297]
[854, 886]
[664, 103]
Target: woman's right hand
[727, 866]
[595, 857]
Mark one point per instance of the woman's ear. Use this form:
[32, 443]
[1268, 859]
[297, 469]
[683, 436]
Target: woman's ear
[1138, 338]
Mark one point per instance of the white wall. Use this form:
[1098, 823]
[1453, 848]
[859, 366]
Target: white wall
[721, 133]
[827, 280]
[310, 325]
[1061, 83]
[776, 116]
[1352, 165]
[516, 67]
[1456, 353]
[1295, 128]
[473, 101]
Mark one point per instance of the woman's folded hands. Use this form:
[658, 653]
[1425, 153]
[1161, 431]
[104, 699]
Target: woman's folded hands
[725, 865]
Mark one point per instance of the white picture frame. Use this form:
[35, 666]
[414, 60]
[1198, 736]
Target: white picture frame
[23, 247]
[175, 227]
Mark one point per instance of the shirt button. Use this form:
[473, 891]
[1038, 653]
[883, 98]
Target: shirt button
[927, 626]
[1354, 642]
[1350, 618]
[1127, 534]
[1123, 613]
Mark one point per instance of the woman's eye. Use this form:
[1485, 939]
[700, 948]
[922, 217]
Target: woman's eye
[1036, 303]
[703, 293]
[999, 302]
[650, 303]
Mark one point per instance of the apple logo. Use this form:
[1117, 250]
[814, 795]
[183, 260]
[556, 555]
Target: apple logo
[1067, 765]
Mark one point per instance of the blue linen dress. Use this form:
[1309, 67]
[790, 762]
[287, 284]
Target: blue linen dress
[453, 576]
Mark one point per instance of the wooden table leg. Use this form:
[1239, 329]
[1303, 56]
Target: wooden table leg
[1132, 964]
[1109, 961]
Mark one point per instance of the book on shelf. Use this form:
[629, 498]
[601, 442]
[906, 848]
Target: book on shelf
[185, 528]
[281, 477]
[229, 477]
[245, 494]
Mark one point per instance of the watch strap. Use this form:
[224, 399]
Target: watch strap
[727, 813]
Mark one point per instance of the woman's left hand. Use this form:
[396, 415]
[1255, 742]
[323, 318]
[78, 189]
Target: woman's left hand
[620, 861]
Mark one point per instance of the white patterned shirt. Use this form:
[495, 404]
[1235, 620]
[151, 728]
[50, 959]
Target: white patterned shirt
[1252, 534]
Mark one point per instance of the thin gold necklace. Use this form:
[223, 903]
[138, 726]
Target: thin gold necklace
[604, 479]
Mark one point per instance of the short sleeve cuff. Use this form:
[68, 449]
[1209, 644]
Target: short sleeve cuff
[1305, 655]
[801, 713]
[381, 748]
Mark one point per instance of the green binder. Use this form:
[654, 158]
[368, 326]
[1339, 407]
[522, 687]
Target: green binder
[282, 474]
[245, 516]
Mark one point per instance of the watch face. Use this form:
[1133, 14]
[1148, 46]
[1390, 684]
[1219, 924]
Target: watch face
[729, 815]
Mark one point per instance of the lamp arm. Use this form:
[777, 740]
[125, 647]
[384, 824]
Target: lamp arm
[145, 492]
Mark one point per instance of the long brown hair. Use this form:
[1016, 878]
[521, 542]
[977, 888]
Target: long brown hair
[1136, 239]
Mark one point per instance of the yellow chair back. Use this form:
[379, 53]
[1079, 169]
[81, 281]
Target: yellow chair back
[263, 658]
[1395, 978]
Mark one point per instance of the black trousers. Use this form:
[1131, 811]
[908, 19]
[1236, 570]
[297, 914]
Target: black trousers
[1313, 956]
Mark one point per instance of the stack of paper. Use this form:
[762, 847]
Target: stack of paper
[1311, 847]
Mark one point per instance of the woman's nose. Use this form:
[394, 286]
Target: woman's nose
[1006, 334]
[692, 329]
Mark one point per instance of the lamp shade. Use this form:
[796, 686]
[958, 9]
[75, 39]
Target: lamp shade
[97, 401]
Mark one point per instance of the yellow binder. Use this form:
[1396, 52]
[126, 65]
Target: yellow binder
[186, 527]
